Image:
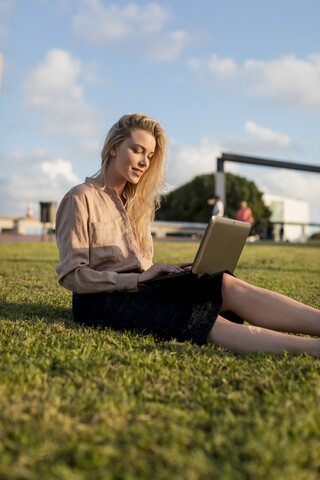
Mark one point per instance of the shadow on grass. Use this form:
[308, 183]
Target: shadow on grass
[30, 260]
[244, 266]
[147, 342]
[37, 311]
[271, 243]
[140, 340]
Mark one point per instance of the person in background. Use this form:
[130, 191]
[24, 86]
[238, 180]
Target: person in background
[270, 235]
[244, 214]
[281, 232]
[218, 207]
[103, 231]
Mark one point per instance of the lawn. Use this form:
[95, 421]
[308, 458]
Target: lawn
[78, 403]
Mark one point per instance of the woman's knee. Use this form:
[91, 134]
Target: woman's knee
[229, 285]
[232, 290]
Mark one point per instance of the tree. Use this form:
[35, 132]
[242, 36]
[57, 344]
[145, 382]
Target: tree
[189, 203]
[238, 189]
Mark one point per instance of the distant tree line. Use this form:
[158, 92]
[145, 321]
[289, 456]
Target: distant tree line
[189, 203]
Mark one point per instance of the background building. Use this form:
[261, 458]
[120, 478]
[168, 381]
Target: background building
[288, 210]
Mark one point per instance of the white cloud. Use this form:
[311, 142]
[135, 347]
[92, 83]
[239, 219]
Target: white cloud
[223, 69]
[138, 28]
[170, 45]
[60, 169]
[188, 161]
[287, 80]
[98, 24]
[35, 177]
[302, 185]
[53, 90]
[260, 141]
[266, 136]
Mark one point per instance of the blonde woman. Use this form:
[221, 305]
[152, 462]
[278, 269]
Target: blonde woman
[105, 256]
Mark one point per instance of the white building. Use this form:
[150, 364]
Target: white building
[288, 210]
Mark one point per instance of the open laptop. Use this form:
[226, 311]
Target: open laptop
[219, 250]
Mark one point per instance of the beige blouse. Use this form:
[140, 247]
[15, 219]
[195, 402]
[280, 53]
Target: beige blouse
[97, 248]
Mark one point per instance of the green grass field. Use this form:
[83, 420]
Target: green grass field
[79, 403]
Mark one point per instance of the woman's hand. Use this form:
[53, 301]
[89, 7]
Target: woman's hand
[185, 265]
[159, 269]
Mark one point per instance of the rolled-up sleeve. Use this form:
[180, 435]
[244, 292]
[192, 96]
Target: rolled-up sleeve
[73, 239]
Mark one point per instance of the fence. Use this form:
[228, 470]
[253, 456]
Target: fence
[160, 229]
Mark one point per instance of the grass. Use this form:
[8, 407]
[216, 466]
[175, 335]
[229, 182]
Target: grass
[78, 403]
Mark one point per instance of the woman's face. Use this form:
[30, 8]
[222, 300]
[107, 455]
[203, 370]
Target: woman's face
[130, 159]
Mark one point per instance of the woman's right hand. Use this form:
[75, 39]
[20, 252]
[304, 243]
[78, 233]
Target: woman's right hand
[158, 269]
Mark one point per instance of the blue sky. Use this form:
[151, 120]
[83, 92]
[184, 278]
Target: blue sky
[233, 76]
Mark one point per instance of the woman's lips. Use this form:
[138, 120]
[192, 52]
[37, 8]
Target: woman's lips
[137, 171]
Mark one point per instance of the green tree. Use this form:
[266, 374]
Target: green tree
[239, 189]
[189, 203]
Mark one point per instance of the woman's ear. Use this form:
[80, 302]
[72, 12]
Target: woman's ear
[113, 152]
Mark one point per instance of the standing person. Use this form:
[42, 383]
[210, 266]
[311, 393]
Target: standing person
[270, 230]
[244, 214]
[105, 256]
[281, 233]
[218, 207]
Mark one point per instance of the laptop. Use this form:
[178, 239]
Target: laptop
[219, 250]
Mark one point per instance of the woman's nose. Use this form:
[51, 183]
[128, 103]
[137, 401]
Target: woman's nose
[144, 160]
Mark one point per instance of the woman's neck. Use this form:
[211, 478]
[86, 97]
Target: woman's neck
[114, 185]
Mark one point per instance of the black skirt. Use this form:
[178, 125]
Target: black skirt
[184, 308]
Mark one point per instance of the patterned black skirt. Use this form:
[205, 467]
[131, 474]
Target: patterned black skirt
[184, 308]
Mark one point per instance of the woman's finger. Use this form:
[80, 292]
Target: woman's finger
[176, 269]
[185, 265]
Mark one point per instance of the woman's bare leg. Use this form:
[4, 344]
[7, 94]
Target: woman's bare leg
[268, 309]
[247, 338]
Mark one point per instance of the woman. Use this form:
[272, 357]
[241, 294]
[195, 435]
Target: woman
[244, 214]
[105, 246]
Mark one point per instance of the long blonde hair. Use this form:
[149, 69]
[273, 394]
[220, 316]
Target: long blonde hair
[143, 198]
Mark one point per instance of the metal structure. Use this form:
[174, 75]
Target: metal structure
[230, 157]
[47, 215]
